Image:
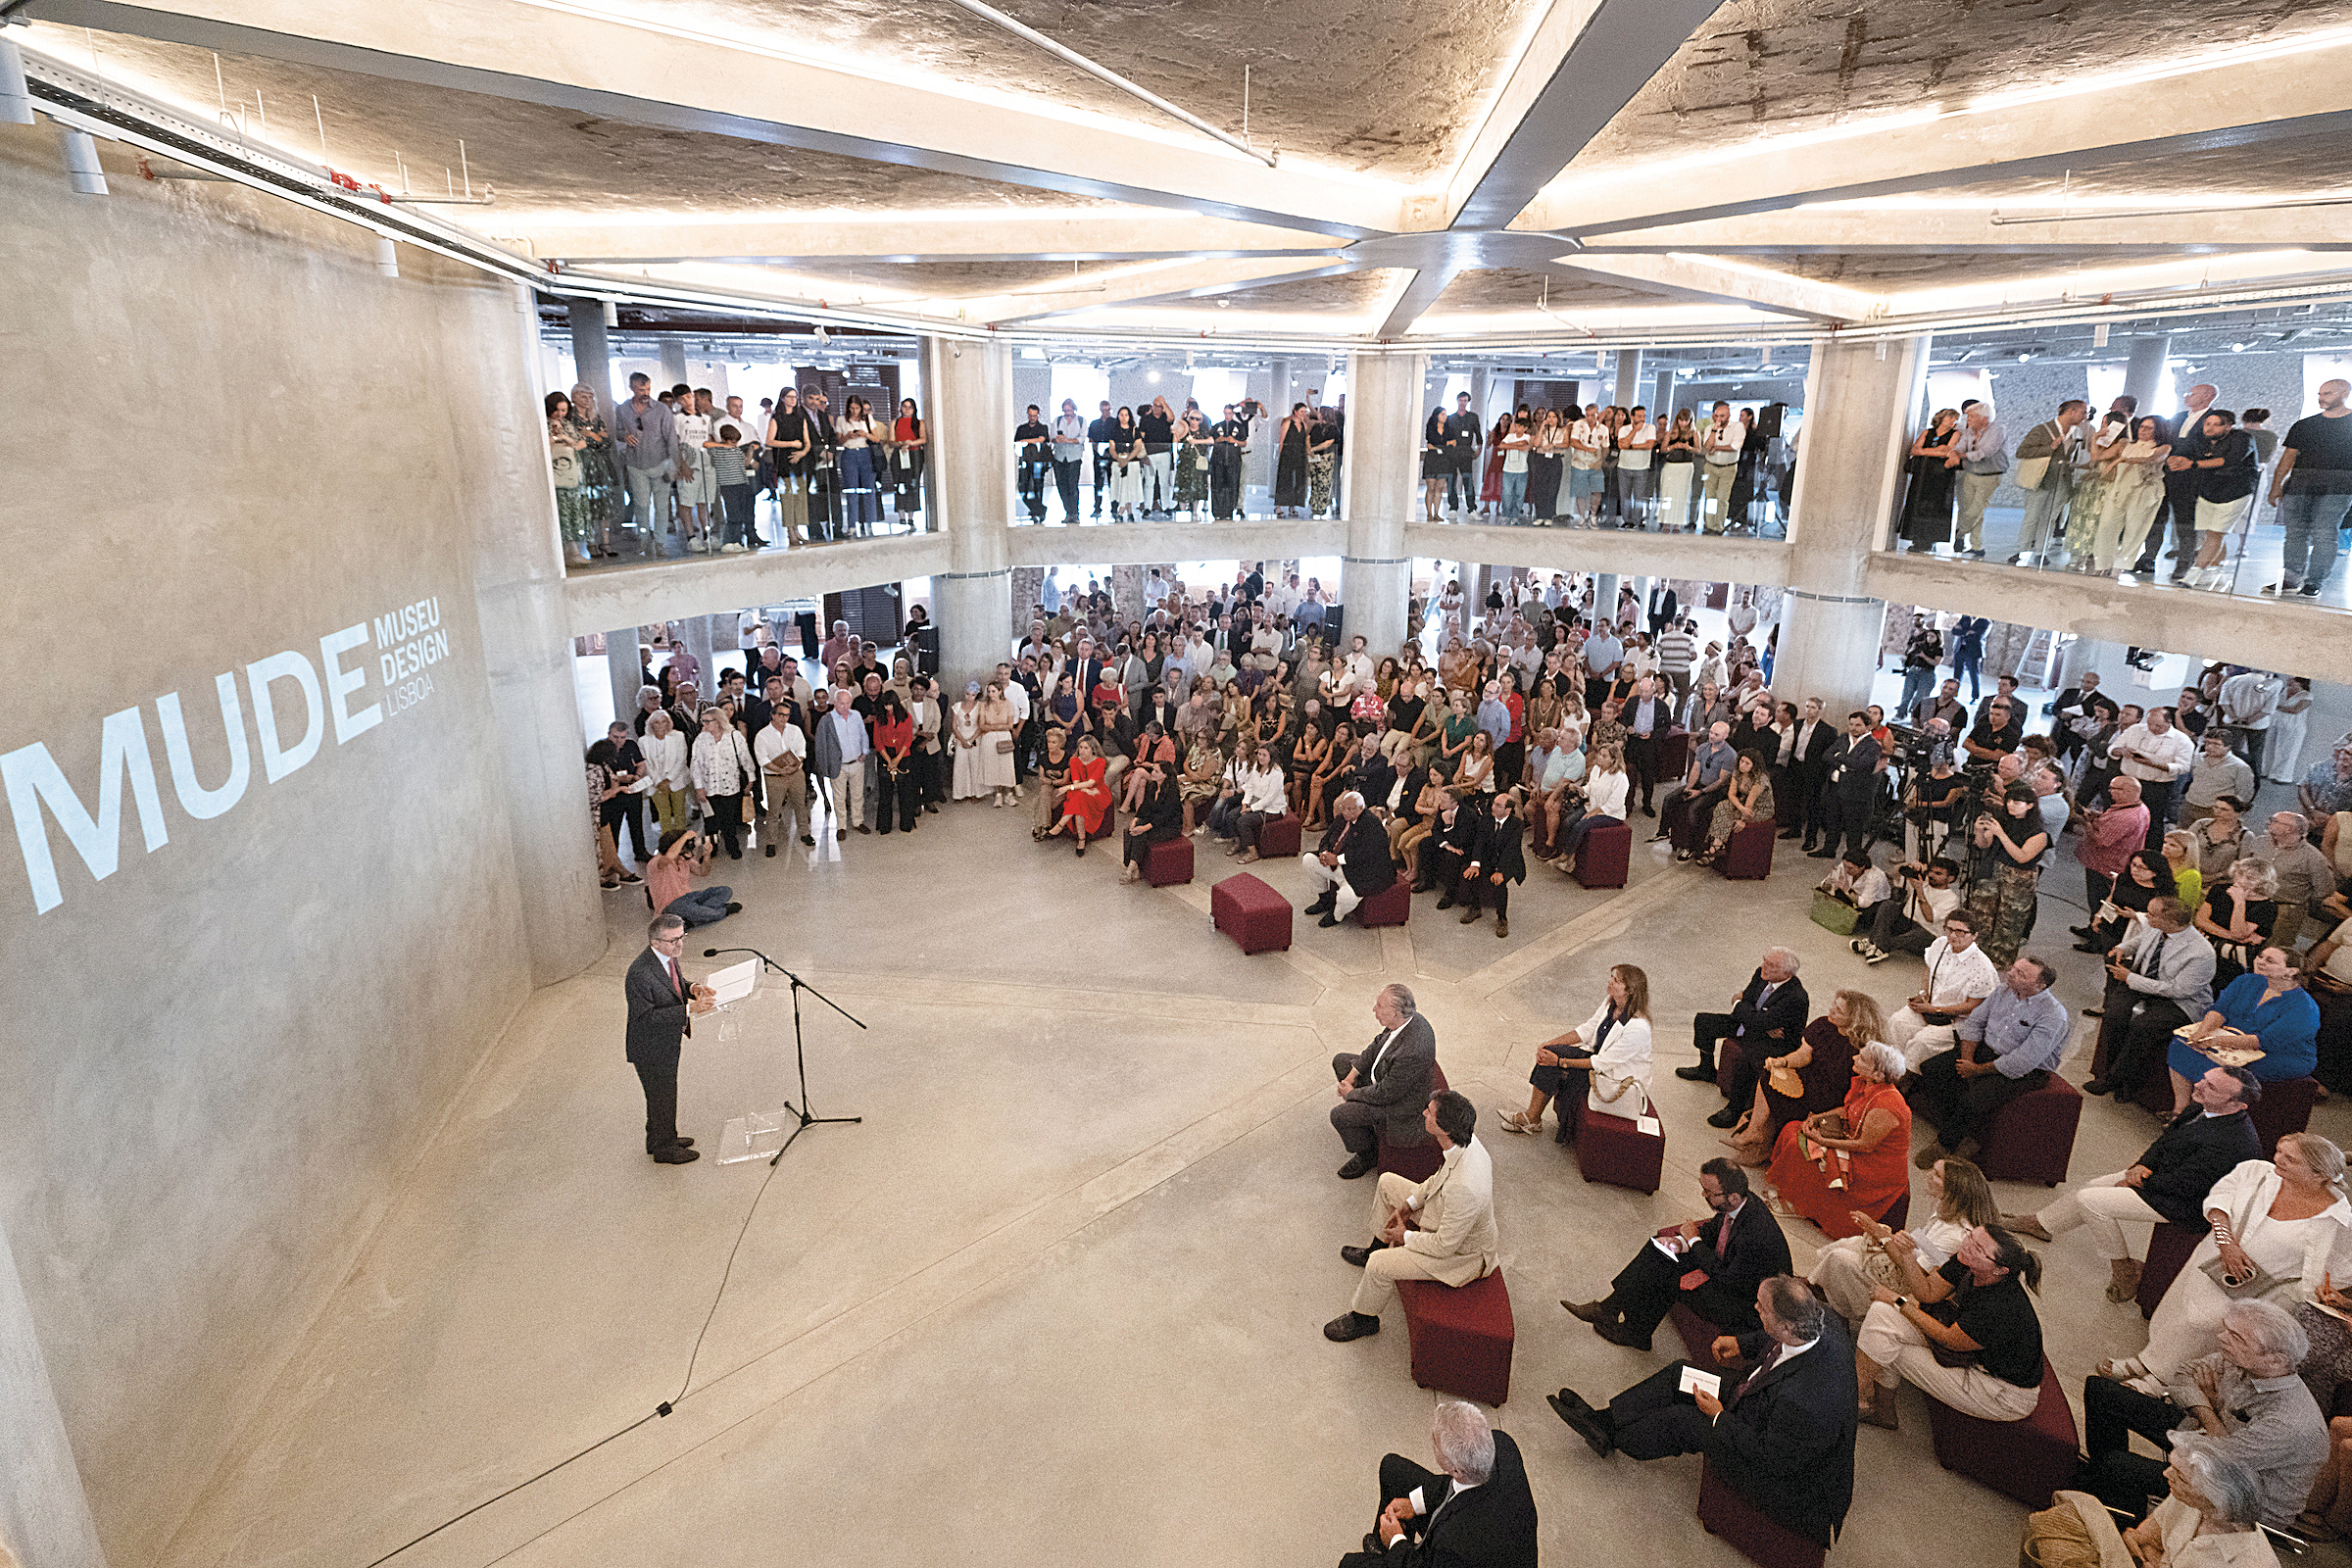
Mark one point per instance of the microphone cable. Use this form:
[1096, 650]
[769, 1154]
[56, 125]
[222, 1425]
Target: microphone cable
[656, 1413]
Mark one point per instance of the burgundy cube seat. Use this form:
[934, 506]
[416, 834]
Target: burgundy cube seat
[1674, 755]
[1460, 1336]
[1748, 857]
[1602, 860]
[2168, 1247]
[1279, 836]
[1168, 862]
[2284, 1107]
[1415, 1163]
[1759, 1537]
[2028, 1460]
[1253, 914]
[1391, 906]
[1698, 1337]
[1616, 1151]
[2032, 1138]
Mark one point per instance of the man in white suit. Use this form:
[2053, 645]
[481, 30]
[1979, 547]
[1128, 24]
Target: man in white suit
[1442, 1229]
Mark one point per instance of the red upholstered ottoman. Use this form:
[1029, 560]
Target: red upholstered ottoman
[1616, 1151]
[1391, 906]
[1602, 858]
[2168, 1247]
[1250, 912]
[1461, 1336]
[1674, 755]
[1170, 861]
[1278, 837]
[1748, 857]
[2033, 1138]
[1760, 1538]
[2028, 1460]
[1698, 1337]
[2284, 1107]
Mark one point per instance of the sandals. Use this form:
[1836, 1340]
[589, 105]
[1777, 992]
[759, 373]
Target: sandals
[1516, 1121]
[2123, 1371]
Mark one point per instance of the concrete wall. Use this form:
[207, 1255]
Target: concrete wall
[234, 438]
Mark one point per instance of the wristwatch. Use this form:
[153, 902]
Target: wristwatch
[1901, 1301]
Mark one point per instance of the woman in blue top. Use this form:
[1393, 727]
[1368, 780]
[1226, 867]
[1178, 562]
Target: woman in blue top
[2269, 1010]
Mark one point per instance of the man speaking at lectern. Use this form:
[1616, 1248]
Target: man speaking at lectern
[663, 1006]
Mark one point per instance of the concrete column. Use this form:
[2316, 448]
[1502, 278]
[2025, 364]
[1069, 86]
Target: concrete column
[621, 658]
[1383, 465]
[695, 632]
[44, 1514]
[673, 362]
[1278, 408]
[1478, 406]
[972, 390]
[591, 355]
[1849, 463]
[1629, 377]
[1605, 597]
[527, 663]
[1661, 402]
[2146, 369]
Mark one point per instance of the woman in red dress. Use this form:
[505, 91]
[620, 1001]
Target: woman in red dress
[1087, 800]
[1854, 1159]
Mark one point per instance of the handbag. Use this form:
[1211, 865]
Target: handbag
[1003, 745]
[1834, 914]
[2256, 1286]
[1611, 1088]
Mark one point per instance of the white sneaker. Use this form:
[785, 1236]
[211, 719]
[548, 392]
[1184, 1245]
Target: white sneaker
[730, 549]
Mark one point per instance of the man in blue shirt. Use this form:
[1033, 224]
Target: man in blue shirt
[1494, 718]
[1645, 720]
[1712, 762]
[1603, 653]
[2007, 1048]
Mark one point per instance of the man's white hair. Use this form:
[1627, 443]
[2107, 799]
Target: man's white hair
[1464, 1442]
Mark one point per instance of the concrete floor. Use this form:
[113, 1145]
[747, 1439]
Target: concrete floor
[1065, 1283]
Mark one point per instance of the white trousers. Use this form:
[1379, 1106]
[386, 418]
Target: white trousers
[1335, 878]
[1902, 1354]
[2104, 1205]
[1390, 1264]
[1916, 1039]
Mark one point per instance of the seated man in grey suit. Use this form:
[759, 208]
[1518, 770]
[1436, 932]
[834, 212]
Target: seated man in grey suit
[1780, 1434]
[1383, 1090]
[1474, 1510]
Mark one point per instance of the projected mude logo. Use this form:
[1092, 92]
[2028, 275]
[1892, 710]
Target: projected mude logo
[287, 690]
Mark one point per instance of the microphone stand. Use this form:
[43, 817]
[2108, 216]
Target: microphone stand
[800, 1049]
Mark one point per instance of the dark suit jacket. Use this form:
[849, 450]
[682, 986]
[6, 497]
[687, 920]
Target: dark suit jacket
[1493, 1526]
[1373, 780]
[1812, 752]
[1498, 847]
[1406, 1076]
[658, 1018]
[1758, 1252]
[1461, 836]
[1365, 844]
[1857, 759]
[1786, 1442]
[1663, 608]
[2189, 1156]
[1787, 1011]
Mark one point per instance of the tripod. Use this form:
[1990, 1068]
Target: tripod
[800, 1048]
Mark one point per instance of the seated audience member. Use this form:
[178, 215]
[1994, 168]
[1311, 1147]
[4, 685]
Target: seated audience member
[1160, 819]
[1713, 1266]
[2269, 1012]
[1814, 1076]
[1780, 1434]
[2159, 978]
[1969, 1339]
[1605, 785]
[1383, 1087]
[2239, 913]
[1473, 1511]
[1853, 1160]
[1746, 797]
[1910, 919]
[1497, 861]
[1442, 1229]
[1702, 783]
[1770, 1011]
[1855, 881]
[1846, 1272]
[1445, 853]
[2211, 1518]
[1263, 800]
[2006, 1047]
[2167, 1184]
[1605, 1061]
[2146, 877]
[1410, 829]
[2243, 1398]
[1352, 862]
[1086, 803]
[679, 857]
[2286, 1217]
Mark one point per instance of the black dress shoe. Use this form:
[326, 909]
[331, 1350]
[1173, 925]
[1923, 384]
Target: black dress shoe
[1589, 1311]
[1351, 1326]
[1322, 906]
[1792, 834]
[2094, 1013]
[1357, 1165]
[1584, 1423]
[1328, 921]
[2087, 933]
[1823, 855]
[1446, 902]
[771, 852]
[1701, 1074]
[1618, 1334]
[1358, 1256]
[1728, 1116]
[2098, 1086]
[734, 908]
[811, 841]
[2089, 947]
[675, 1154]
[685, 1142]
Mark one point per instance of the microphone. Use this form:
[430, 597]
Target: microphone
[709, 953]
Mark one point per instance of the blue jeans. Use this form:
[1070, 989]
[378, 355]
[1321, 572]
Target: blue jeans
[1916, 683]
[861, 503]
[2311, 523]
[1963, 666]
[1514, 494]
[702, 907]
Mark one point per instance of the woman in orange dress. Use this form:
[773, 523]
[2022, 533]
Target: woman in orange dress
[1856, 1158]
[1087, 800]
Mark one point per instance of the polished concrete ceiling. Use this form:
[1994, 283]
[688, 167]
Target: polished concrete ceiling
[1452, 173]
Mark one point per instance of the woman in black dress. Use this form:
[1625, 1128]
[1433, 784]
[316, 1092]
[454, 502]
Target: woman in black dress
[1290, 466]
[1545, 466]
[1928, 504]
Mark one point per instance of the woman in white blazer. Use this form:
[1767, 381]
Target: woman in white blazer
[667, 770]
[1606, 1060]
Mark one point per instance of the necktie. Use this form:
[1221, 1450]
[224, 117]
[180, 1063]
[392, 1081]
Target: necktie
[1762, 1367]
[671, 965]
[2154, 956]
